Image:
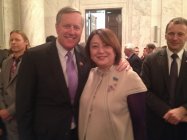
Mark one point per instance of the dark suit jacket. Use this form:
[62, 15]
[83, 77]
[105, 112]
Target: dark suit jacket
[136, 63]
[43, 104]
[3, 54]
[155, 75]
[136, 105]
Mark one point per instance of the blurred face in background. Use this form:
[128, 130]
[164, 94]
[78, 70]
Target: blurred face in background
[136, 51]
[145, 52]
[69, 30]
[127, 52]
[149, 50]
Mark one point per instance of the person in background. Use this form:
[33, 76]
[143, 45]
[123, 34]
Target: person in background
[133, 59]
[104, 112]
[50, 38]
[166, 98]
[8, 78]
[3, 55]
[51, 79]
[144, 54]
[136, 50]
[150, 47]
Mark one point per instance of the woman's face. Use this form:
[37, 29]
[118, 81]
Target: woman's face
[101, 54]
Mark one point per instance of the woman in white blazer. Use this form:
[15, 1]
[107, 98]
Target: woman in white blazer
[104, 112]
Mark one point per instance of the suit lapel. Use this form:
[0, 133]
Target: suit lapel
[164, 66]
[164, 63]
[83, 67]
[7, 72]
[56, 70]
[183, 70]
[80, 61]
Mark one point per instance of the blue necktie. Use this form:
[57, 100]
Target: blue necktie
[71, 76]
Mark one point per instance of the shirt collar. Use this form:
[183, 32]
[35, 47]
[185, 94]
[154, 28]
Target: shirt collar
[180, 53]
[61, 49]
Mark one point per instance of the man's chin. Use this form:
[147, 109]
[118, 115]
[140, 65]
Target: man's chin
[69, 47]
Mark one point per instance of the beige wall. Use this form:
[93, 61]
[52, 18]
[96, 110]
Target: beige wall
[141, 18]
[10, 19]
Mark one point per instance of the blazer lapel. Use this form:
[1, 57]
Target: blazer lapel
[7, 79]
[81, 63]
[183, 70]
[56, 69]
[164, 66]
[164, 63]
[83, 67]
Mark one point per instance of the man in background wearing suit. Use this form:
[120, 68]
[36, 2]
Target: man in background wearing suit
[166, 103]
[3, 55]
[8, 78]
[45, 108]
[133, 59]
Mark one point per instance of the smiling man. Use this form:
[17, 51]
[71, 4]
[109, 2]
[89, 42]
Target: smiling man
[45, 110]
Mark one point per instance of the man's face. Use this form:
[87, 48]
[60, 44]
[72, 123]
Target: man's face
[126, 51]
[176, 36]
[17, 43]
[136, 51]
[69, 30]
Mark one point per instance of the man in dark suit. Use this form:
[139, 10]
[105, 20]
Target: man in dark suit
[43, 105]
[133, 59]
[166, 109]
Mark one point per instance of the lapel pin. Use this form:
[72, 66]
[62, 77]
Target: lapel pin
[81, 64]
[115, 78]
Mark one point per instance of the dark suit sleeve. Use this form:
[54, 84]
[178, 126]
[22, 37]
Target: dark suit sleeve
[136, 63]
[151, 78]
[25, 97]
[137, 66]
[136, 105]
